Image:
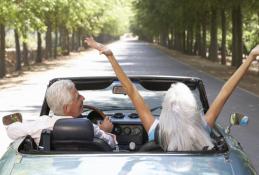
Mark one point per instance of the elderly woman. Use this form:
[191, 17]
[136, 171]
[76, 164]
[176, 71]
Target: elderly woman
[181, 127]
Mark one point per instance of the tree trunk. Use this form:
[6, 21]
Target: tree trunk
[48, 50]
[18, 51]
[170, 39]
[177, 40]
[237, 49]
[204, 38]
[64, 41]
[56, 43]
[213, 51]
[73, 46]
[25, 54]
[78, 38]
[39, 48]
[166, 38]
[224, 34]
[2, 51]
[183, 41]
[197, 45]
[60, 39]
[67, 42]
[189, 40]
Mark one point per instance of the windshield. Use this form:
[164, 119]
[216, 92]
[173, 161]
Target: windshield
[106, 100]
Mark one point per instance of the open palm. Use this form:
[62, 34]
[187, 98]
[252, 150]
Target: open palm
[255, 51]
[95, 45]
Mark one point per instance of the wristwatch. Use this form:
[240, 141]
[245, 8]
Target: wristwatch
[11, 118]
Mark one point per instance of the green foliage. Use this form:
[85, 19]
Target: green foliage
[92, 16]
[116, 20]
[251, 31]
[7, 9]
[151, 17]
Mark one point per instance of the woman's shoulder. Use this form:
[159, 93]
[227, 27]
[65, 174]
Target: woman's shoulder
[153, 130]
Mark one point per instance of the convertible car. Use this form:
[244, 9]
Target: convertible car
[70, 148]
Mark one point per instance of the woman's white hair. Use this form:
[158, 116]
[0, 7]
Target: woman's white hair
[58, 95]
[181, 125]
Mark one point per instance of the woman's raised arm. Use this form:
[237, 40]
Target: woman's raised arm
[229, 87]
[137, 100]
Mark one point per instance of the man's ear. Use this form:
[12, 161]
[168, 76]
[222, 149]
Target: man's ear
[66, 109]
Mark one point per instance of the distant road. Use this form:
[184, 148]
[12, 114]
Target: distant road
[136, 58]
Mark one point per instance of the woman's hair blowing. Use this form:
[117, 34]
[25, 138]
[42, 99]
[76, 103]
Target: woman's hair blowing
[181, 125]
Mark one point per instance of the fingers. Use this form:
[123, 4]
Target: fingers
[107, 119]
[89, 38]
[255, 50]
[90, 41]
[254, 53]
[106, 125]
[98, 46]
[9, 119]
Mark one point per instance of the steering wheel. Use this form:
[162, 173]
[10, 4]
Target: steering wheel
[95, 115]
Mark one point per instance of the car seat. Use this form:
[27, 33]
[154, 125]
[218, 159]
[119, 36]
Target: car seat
[73, 134]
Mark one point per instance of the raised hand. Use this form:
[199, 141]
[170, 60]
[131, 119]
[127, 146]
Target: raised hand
[106, 125]
[255, 52]
[98, 46]
[9, 119]
[93, 44]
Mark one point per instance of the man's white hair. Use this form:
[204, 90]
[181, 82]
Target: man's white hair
[181, 125]
[58, 95]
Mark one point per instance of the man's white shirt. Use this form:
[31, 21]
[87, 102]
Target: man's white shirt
[33, 128]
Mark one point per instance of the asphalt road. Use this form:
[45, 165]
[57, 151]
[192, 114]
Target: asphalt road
[26, 94]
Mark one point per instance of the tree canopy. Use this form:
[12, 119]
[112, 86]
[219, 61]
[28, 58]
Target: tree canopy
[64, 23]
[199, 26]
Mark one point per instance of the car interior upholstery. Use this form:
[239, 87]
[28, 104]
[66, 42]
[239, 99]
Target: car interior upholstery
[74, 135]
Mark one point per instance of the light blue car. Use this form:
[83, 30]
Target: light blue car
[70, 147]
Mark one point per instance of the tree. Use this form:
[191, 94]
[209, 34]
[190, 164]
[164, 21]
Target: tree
[213, 50]
[2, 51]
[18, 65]
[6, 15]
[237, 44]
[223, 38]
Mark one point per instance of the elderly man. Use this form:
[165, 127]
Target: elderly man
[65, 102]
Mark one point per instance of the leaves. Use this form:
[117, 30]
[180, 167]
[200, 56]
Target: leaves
[94, 16]
[152, 17]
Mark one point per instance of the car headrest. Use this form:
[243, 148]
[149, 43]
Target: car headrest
[73, 129]
[76, 134]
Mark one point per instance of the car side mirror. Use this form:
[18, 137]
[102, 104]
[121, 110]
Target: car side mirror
[236, 119]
